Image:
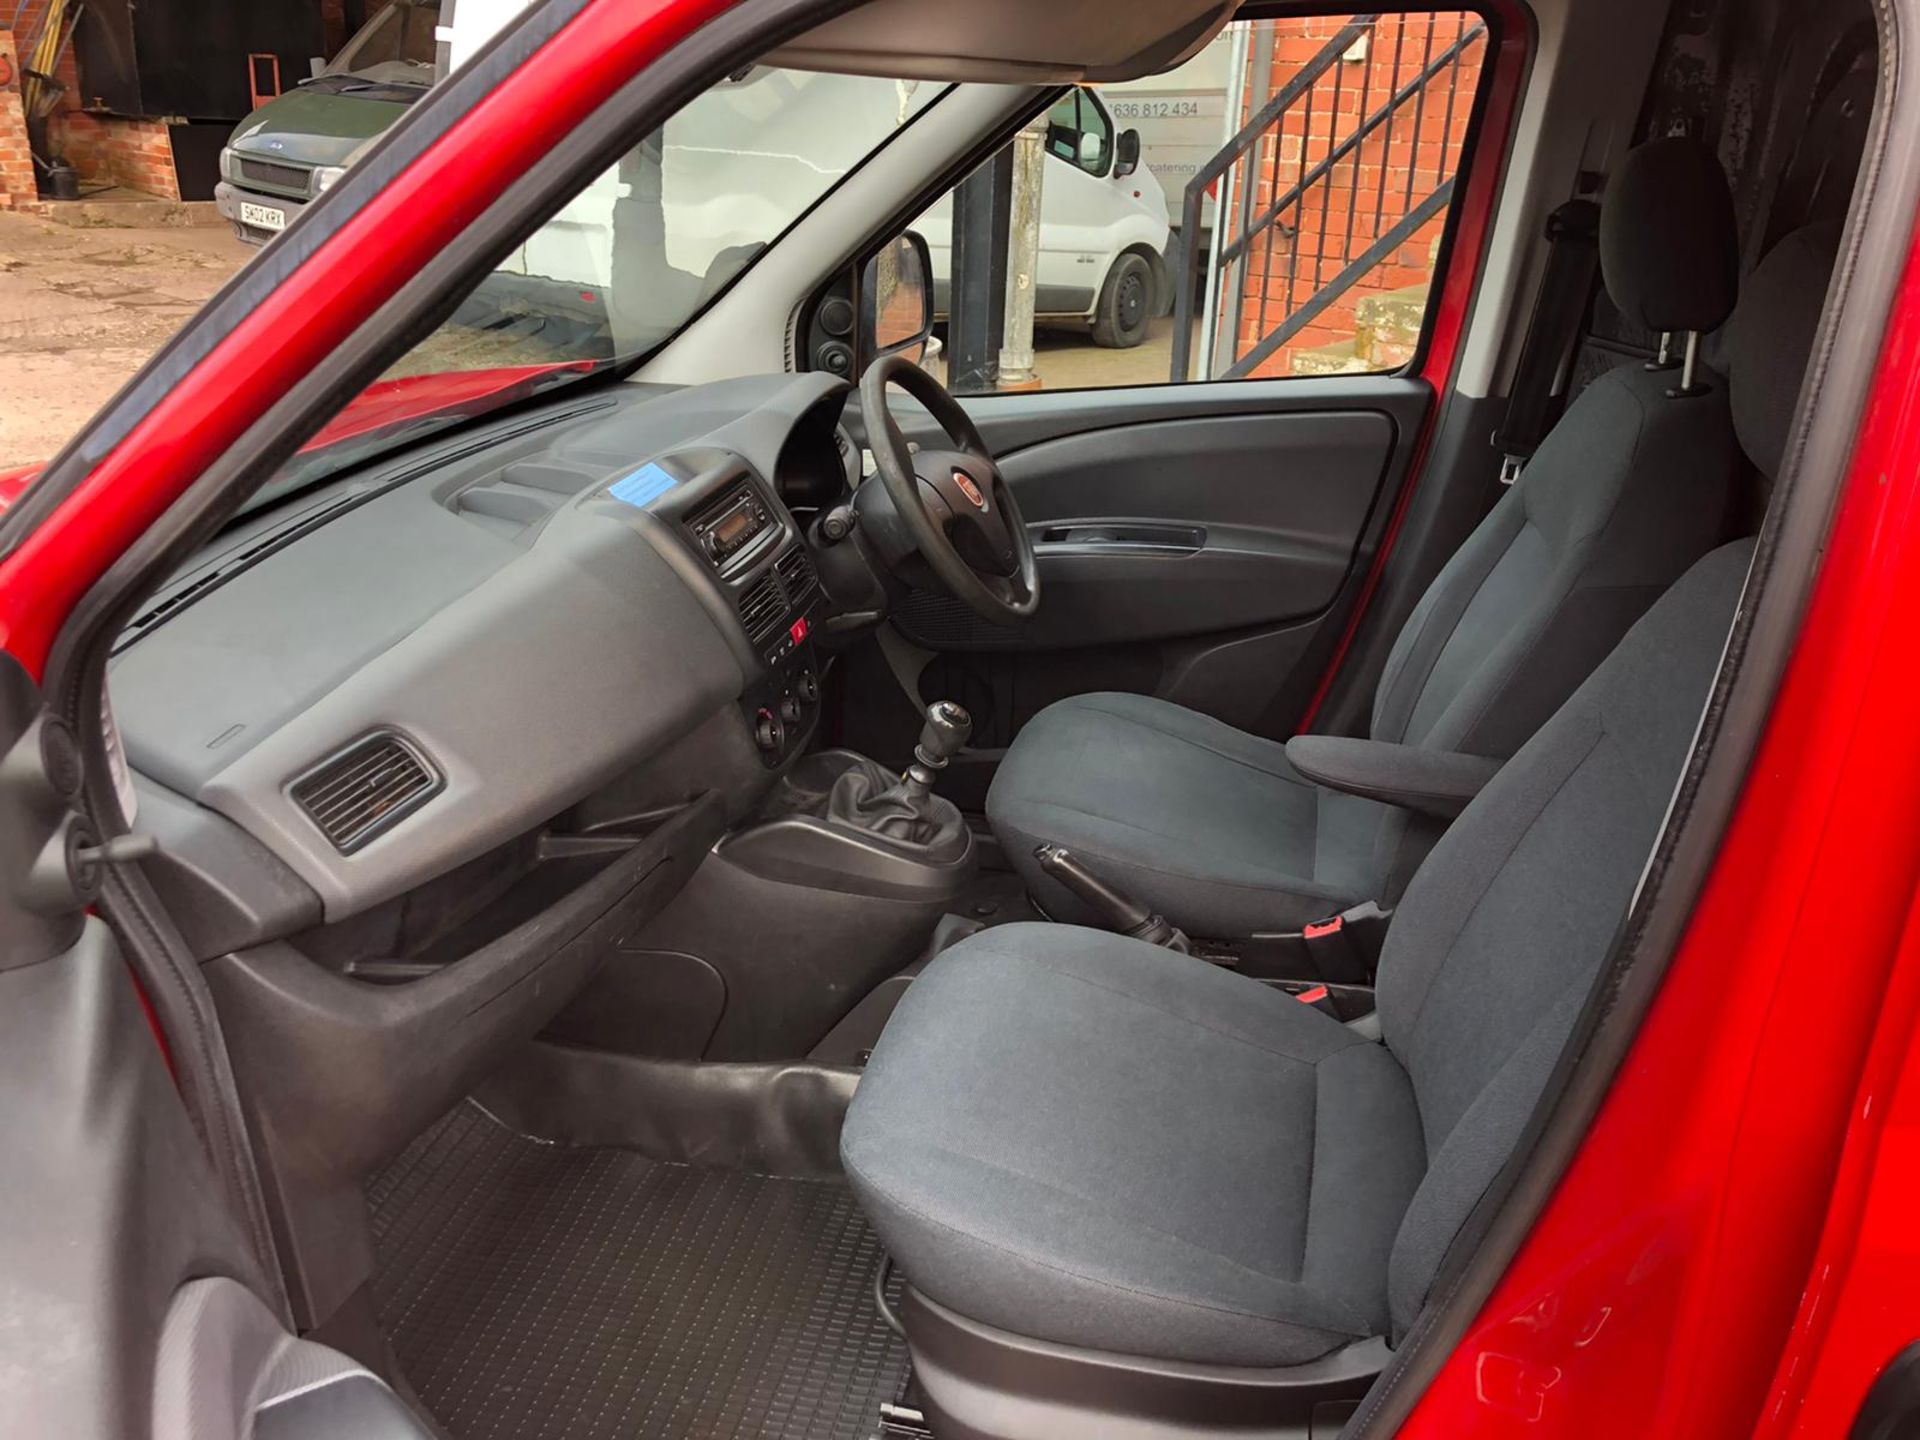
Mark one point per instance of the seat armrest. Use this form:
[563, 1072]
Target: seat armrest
[1429, 782]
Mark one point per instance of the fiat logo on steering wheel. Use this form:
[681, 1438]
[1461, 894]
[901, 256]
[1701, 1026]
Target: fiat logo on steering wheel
[969, 489]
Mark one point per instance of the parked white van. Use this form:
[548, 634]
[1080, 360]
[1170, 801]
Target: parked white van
[1185, 115]
[1103, 228]
[719, 171]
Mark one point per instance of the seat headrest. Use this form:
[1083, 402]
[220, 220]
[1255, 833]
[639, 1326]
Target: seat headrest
[1669, 245]
[1770, 339]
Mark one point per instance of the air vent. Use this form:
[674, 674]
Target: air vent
[762, 608]
[365, 790]
[796, 573]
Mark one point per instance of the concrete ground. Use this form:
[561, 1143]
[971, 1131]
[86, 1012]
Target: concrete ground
[82, 309]
[1065, 358]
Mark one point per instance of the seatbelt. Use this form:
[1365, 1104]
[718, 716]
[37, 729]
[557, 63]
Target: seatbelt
[1573, 235]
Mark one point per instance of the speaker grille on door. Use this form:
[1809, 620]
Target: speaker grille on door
[366, 789]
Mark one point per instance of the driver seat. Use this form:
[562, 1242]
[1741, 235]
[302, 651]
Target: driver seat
[1216, 830]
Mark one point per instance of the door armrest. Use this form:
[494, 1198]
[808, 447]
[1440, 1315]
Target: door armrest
[1429, 782]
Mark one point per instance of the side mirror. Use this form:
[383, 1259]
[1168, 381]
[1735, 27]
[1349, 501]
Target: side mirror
[1126, 153]
[1093, 151]
[896, 298]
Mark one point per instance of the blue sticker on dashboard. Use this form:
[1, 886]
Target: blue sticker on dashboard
[643, 486]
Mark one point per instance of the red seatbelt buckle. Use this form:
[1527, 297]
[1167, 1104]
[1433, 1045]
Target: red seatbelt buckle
[1320, 929]
[1311, 997]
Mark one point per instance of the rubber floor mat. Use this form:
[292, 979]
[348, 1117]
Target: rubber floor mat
[533, 1290]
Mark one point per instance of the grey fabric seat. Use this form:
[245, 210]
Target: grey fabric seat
[1212, 827]
[1118, 1088]
[1083, 1139]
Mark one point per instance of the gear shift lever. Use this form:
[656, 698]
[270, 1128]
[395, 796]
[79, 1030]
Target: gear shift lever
[867, 796]
[943, 737]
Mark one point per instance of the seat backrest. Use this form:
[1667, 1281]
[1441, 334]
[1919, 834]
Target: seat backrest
[1500, 934]
[1487, 961]
[1630, 488]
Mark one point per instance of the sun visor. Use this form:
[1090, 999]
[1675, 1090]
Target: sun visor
[1014, 42]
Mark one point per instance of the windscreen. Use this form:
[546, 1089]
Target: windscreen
[635, 255]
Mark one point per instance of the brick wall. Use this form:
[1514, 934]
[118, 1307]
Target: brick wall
[112, 150]
[1368, 191]
[16, 159]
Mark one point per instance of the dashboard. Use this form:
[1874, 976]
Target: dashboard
[375, 683]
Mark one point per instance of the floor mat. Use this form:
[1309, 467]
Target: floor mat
[538, 1290]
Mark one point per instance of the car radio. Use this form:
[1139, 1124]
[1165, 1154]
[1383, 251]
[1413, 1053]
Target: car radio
[731, 526]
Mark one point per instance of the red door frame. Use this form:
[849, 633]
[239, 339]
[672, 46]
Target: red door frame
[1657, 1290]
[1858, 1310]
[419, 213]
[1665, 1289]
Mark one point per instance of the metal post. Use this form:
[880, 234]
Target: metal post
[976, 304]
[1023, 256]
[1236, 197]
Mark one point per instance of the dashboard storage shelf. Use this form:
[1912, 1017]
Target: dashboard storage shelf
[338, 1075]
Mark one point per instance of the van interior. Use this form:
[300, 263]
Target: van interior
[755, 892]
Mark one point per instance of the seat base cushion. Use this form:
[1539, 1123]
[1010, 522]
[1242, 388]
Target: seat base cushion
[1080, 1138]
[1208, 824]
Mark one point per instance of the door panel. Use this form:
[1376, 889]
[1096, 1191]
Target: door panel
[1202, 543]
[1182, 527]
[134, 1304]
[110, 1203]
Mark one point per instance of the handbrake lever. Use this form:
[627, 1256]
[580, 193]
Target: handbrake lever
[1115, 910]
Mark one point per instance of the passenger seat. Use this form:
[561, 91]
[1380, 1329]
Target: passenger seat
[1127, 1159]
[1228, 834]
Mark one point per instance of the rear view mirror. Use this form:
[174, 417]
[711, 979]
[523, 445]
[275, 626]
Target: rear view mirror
[1126, 153]
[1093, 150]
[896, 298]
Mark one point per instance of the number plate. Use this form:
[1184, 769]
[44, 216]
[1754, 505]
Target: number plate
[266, 217]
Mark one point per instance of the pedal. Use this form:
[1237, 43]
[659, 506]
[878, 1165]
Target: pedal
[902, 1422]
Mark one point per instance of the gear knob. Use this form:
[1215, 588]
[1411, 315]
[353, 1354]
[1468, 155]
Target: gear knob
[944, 735]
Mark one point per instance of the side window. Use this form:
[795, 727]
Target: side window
[1274, 207]
[1080, 134]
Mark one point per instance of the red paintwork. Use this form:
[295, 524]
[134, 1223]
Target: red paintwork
[1657, 1291]
[1504, 78]
[1858, 1309]
[13, 483]
[388, 403]
[317, 307]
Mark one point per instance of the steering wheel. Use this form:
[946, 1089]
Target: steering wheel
[955, 505]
